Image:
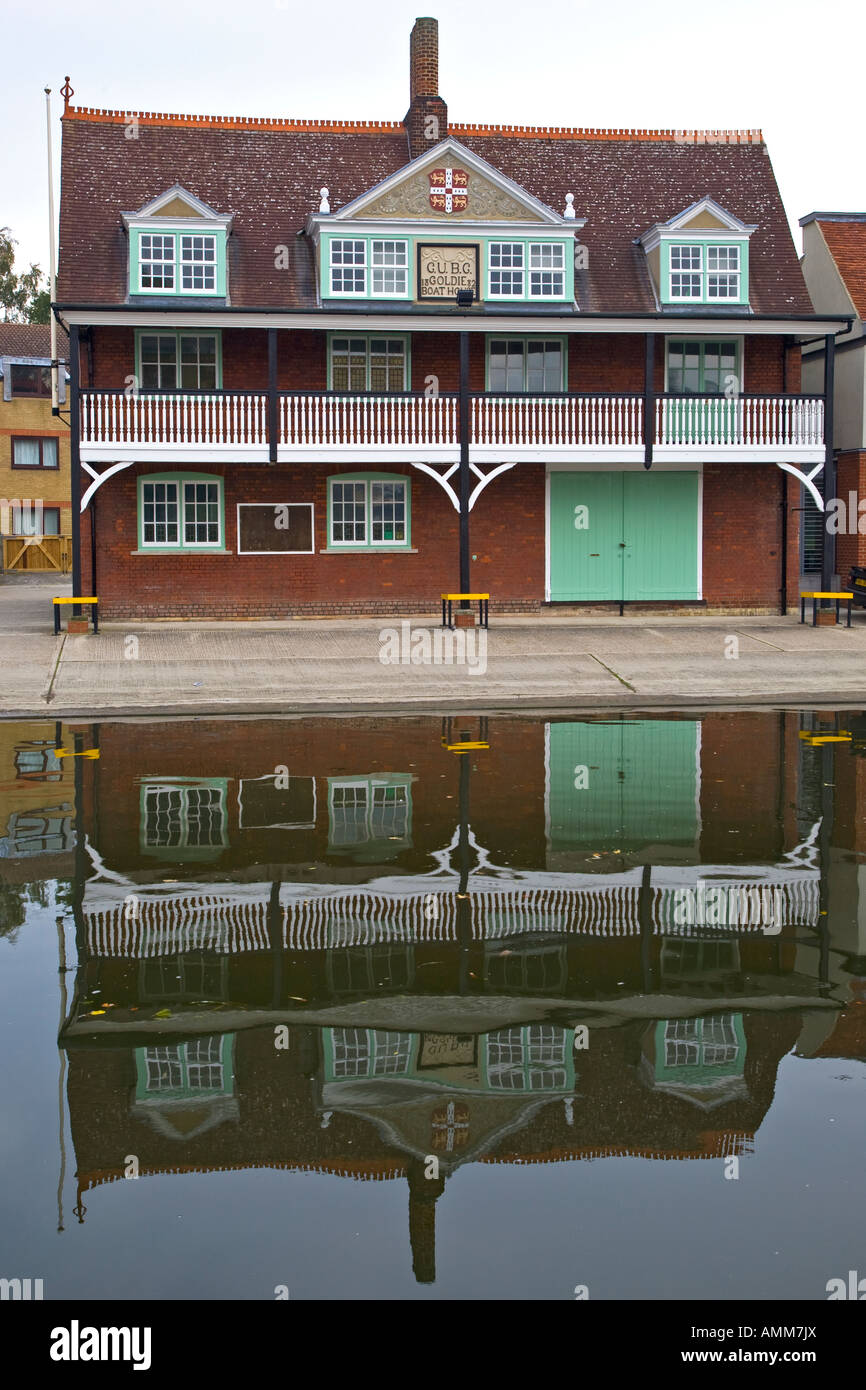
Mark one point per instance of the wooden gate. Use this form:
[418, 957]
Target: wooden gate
[30, 553]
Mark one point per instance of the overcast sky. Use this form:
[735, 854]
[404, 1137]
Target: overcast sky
[787, 68]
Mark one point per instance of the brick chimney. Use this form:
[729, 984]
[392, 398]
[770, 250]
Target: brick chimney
[426, 121]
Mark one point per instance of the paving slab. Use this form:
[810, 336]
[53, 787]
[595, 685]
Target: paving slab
[555, 662]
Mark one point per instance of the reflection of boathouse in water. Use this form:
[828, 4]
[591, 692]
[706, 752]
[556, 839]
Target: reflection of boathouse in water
[456, 954]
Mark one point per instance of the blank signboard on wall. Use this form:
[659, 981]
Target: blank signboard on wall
[275, 528]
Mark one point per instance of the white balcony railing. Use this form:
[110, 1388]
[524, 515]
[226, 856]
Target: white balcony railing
[557, 421]
[585, 426]
[756, 422]
[313, 420]
[113, 417]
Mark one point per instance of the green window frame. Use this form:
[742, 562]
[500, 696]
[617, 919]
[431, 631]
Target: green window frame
[534, 1057]
[370, 810]
[191, 1070]
[183, 818]
[701, 366]
[518, 365]
[377, 362]
[529, 270]
[171, 505]
[708, 269]
[366, 507]
[366, 267]
[360, 1053]
[698, 1050]
[177, 261]
[177, 360]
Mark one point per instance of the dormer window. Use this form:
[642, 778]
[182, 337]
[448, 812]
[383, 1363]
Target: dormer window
[723, 272]
[686, 272]
[348, 266]
[178, 262]
[700, 256]
[704, 272]
[198, 263]
[526, 269]
[177, 246]
[546, 270]
[390, 268]
[506, 269]
[156, 262]
[445, 224]
[359, 263]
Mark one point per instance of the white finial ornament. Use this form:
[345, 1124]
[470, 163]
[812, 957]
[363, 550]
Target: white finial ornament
[325, 206]
[569, 205]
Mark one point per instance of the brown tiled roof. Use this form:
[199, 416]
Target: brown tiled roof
[847, 245]
[30, 340]
[268, 174]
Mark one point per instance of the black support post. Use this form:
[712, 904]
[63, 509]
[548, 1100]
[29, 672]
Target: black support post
[828, 550]
[649, 400]
[464, 902]
[465, 479]
[783, 578]
[94, 591]
[75, 459]
[275, 933]
[273, 403]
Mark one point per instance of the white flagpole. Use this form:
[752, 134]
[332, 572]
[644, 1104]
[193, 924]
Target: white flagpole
[52, 257]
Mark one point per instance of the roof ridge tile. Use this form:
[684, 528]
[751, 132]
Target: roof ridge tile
[112, 116]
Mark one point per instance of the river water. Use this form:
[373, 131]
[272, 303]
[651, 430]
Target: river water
[434, 1008]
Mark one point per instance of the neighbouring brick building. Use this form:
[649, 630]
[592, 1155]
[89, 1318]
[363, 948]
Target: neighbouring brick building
[300, 348]
[35, 517]
[834, 265]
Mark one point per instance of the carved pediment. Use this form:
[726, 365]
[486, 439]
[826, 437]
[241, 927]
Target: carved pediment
[472, 198]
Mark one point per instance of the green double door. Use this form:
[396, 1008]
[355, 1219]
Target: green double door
[623, 784]
[623, 536]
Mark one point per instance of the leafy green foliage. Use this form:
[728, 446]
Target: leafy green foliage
[23, 299]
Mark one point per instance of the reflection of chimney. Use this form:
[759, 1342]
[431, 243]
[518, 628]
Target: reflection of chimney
[426, 121]
[423, 1195]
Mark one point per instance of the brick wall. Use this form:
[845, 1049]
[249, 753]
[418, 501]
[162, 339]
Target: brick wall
[743, 533]
[596, 362]
[851, 547]
[741, 549]
[507, 786]
[741, 516]
[507, 539]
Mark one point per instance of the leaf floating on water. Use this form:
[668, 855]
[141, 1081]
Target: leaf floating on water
[94, 1013]
[163, 1013]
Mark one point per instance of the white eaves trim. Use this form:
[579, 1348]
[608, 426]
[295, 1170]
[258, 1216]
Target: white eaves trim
[452, 323]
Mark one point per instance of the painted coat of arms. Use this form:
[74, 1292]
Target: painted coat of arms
[449, 190]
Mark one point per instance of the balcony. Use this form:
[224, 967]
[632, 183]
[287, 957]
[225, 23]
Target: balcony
[232, 427]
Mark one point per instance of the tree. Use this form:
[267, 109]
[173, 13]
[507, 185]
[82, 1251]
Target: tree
[22, 297]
